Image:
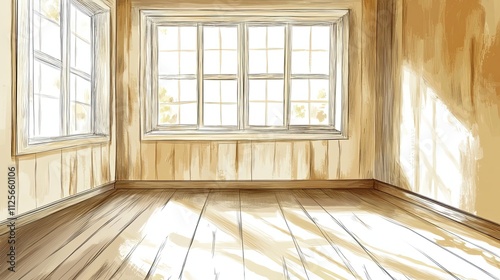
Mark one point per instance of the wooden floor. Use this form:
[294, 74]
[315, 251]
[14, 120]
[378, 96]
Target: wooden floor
[231, 234]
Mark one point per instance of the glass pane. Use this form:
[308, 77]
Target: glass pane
[50, 9]
[229, 114]
[211, 39]
[320, 63]
[301, 37]
[275, 90]
[300, 90]
[319, 113]
[168, 38]
[81, 24]
[50, 38]
[229, 62]
[228, 91]
[188, 91]
[212, 114]
[320, 90]
[188, 62]
[81, 54]
[49, 80]
[211, 62]
[275, 61]
[256, 114]
[168, 91]
[257, 38]
[189, 38]
[320, 38]
[211, 91]
[257, 90]
[276, 37]
[80, 89]
[80, 117]
[49, 117]
[168, 114]
[300, 62]
[188, 113]
[274, 114]
[299, 114]
[168, 63]
[257, 62]
[229, 38]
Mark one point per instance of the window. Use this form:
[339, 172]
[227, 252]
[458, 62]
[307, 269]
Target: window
[63, 77]
[244, 75]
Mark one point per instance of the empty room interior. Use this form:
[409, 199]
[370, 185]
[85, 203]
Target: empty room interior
[307, 139]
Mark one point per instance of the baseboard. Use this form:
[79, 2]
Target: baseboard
[482, 225]
[38, 213]
[274, 184]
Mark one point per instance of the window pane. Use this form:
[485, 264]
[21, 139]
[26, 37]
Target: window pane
[80, 89]
[188, 113]
[220, 102]
[50, 9]
[177, 50]
[168, 63]
[168, 114]
[47, 36]
[47, 80]
[188, 91]
[266, 49]
[266, 103]
[48, 117]
[311, 49]
[168, 91]
[81, 24]
[177, 102]
[188, 62]
[310, 102]
[220, 50]
[80, 117]
[168, 38]
[81, 54]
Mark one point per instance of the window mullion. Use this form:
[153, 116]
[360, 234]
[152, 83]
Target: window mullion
[65, 69]
[287, 75]
[199, 75]
[242, 77]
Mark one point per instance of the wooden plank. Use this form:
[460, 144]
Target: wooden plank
[244, 160]
[69, 172]
[216, 250]
[81, 223]
[301, 160]
[283, 161]
[106, 164]
[262, 160]
[319, 160]
[148, 160]
[263, 184]
[104, 259]
[48, 178]
[334, 159]
[70, 251]
[182, 156]
[97, 166]
[360, 260]
[26, 200]
[165, 155]
[200, 161]
[480, 253]
[487, 227]
[176, 237]
[389, 235]
[84, 169]
[269, 249]
[322, 259]
[226, 164]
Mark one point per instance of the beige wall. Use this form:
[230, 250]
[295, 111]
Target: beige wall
[441, 139]
[44, 177]
[247, 160]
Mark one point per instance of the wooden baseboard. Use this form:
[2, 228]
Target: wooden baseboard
[298, 184]
[38, 213]
[482, 225]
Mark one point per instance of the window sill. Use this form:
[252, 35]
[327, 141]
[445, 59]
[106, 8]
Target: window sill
[61, 143]
[244, 135]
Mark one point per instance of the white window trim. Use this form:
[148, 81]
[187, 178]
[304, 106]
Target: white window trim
[151, 18]
[100, 87]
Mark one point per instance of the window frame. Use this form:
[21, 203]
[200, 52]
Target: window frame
[337, 19]
[100, 12]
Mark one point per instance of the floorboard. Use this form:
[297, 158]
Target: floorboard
[250, 234]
